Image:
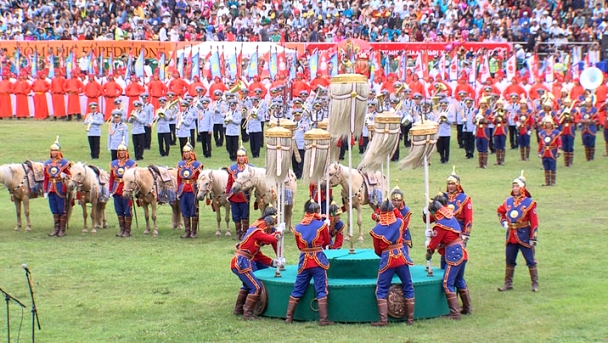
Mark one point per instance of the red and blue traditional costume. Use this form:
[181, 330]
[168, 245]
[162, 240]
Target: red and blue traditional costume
[56, 173]
[122, 205]
[589, 121]
[187, 174]
[239, 202]
[548, 150]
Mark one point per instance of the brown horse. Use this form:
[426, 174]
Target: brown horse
[14, 177]
[141, 184]
[266, 191]
[340, 175]
[87, 181]
[211, 185]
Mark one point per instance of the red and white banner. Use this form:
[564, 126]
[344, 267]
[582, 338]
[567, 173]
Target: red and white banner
[549, 77]
[511, 67]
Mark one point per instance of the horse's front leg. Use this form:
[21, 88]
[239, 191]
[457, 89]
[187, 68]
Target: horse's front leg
[218, 218]
[83, 204]
[227, 218]
[146, 216]
[104, 220]
[154, 207]
[360, 222]
[95, 220]
[18, 208]
[26, 209]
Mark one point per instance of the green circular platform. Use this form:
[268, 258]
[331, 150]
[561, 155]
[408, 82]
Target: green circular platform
[352, 286]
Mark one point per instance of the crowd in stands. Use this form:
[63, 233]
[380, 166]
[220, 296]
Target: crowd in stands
[550, 21]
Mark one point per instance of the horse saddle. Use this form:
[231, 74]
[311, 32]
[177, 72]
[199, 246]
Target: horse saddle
[102, 175]
[374, 192]
[34, 174]
[163, 173]
[36, 170]
[370, 178]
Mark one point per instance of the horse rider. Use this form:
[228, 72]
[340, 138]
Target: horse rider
[248, 251]
[56, 173]
[118, 167]
[188, 170]
[311, 236]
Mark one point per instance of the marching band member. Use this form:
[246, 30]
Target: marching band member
[447, 236]
[184, 122]
[188, 170]
[512, 109]
[239, 202]
[311, 235]
[445, 123]
[548, 149]
[192, 108]
[387, 237]
[118, 166]
[468, 127]
[254, 126]
[118, 134]
[173, 108]
[406, 120]
[148, 113]
[482, 134]
[518, 216]
[138, 132]
[500, 135]
[233, 129]
[120, 108]
[56, 173]
[462, 94]
[369, 126]
[568, 122]
[588, 122]
[205, 125]
[163, 118]
[396, 104]
[93, 122]
[524, 123]
[219, 107]
[302, 125]
[197, 104]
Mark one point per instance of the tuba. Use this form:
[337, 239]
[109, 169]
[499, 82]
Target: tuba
[591, 78]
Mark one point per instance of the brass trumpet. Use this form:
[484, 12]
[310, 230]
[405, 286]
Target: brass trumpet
[89, 124]
[228, 117]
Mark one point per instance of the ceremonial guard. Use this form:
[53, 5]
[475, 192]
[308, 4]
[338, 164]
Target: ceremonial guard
[567, 123]
[137, 130]
[148, 113]
[524, 124]
[93, 123]
[57, 95]
[302, 125]
[122, 206]
[248, 252]
[512, 109]
[447, 236]
[56, 174]
[22, 89]
[500, 134]
[6, 89]
[445, 131]
[188, 170]
[40, 87]
[468, 127]
[193, 109]
[255, 126]
[73, 86]
[388, 242]
[163, 119]
[239, 202]
[588, 122]
[233, 129]
[461, 205]
[219, 108]
[173, 108]
[407, 105]
[311, 236]
[548, 149]
[205, 125]
[184, 121]
[482, 133]
[118, 134]
[336, 227]
[517, 215]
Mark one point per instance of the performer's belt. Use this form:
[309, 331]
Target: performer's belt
[117, 179]
[72, 92]
[394, 246]
[244, 254]
[515, 226]
[317, 249]
[39, 93]
[54, 179]
[187, 181]
[456, 241]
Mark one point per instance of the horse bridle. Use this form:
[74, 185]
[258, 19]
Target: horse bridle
[137, 188]
[79, 184]
[337, 175]
[252, 174]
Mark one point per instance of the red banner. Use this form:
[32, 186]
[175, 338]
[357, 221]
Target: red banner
[432, 48]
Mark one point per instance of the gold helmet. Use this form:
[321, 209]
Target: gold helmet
[188, 147]
[55, 146]
[397, 194]
[548, 120]
[520, 180]
[241, 150]
[122, 146]
[454, 177]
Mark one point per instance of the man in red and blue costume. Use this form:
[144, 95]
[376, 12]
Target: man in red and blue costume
[460, 204]
[336, 227]
[387, 237]
[312, 188]
[401, 211]
[500, 134]
[589, 121]
[568, 122]
[188, 170]
[56, 173]
[311, 236]
[518, 216]
[524, 124]
[247, 253]
[122, 206]
[447, 236]
[482, 133]
[239, 201]
[548, 149]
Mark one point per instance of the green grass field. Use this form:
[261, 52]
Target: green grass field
[99, 288]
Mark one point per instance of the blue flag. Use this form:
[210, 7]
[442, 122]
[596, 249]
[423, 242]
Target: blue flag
[35, 63]
[272, 67]
[90, 68]
[180, 63]
[111, 64]
[232, 66]
[252, 70]
[292, 67]
[196, 66]
[313, 64]
[129, 64]
[215, 65]
[334, 64]
[139, 64]
[161, 67]
[51, 66]
[100, 64]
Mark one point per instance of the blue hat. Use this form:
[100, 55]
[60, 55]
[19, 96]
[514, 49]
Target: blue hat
[137, 103]
[117, 101]
[144, 95]
[217, 92]
[162, 98]
[206, 100]
[93, 104]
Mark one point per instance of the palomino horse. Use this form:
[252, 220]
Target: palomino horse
[144, 186]
[340, 175]
[91, 184]
[266, 191]
[211, 184]
[14, 177]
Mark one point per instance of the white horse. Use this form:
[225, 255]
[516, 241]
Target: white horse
[86, 180]
[340, 175]
[140, 184]
[14, 178]
[211, 185]
[266, 191]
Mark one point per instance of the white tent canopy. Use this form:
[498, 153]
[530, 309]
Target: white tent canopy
[230, 48]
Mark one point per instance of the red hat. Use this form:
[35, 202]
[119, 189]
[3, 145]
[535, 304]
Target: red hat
[195, 77]
[392, 75]
[41, 74]
[321, 74]
[500, 73]
[217, 78]
[256, 78]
